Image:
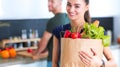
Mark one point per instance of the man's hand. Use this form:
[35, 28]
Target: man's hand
[36, 52]
[37, 55]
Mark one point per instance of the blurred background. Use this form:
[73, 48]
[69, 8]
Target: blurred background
[16, 15]
[37, 9]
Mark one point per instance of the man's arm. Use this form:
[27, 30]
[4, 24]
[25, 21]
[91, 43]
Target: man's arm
[43, 42]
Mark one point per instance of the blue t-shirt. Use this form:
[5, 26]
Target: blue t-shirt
[59, 31]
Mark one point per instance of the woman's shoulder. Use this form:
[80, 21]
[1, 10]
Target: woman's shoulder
[61, 27]
[66, 25]
[57, 31]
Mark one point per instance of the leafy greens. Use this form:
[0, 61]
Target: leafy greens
[93, 32]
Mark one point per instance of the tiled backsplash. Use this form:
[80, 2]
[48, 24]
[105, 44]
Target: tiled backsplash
[12, 28]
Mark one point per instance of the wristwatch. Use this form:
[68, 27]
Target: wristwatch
[103, 63]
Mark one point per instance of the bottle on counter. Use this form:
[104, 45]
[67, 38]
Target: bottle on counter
[15, 45]
[31, 33]
[36, 34]
[10, 44]
[24, 34]
[28, 44]
[20, 45]
[35, 43]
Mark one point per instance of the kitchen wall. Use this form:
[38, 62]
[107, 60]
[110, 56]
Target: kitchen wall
[35, 9]
[24, 9]
[106, 8]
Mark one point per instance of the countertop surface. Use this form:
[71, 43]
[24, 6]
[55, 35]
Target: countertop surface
[26, 60]
[17, 60]
[22, 59]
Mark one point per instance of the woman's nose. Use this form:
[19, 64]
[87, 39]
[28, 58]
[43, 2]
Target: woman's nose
[71, 9]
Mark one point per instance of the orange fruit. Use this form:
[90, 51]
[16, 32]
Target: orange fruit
[12, 52]
[5, 54]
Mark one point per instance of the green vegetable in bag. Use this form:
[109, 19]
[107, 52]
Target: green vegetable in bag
[93, 32]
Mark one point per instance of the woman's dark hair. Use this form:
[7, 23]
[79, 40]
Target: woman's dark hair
[87, 14]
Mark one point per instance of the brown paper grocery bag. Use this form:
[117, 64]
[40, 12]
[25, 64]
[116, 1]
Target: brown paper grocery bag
[70, 49]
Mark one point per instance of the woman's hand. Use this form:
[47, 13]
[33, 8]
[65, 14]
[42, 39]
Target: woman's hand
[90, 60]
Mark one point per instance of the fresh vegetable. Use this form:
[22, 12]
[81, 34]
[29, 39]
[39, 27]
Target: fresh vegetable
[12, 52]
[8, 52]
[29, 50]
[67, 34]
[70, 34]
[93, 32]
[5, 54]
[96, 23]
[74, 35]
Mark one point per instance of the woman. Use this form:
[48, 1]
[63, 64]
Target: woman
[78, 12]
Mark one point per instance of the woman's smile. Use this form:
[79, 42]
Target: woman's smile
[71, 14]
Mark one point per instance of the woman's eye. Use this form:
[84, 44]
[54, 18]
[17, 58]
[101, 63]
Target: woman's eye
[69, 5]
[77, 6]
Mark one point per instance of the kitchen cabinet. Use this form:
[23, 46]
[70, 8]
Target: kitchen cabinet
[24, 42]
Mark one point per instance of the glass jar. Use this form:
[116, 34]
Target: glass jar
[24, 34]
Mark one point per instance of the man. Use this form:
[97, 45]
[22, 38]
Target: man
[55, 6]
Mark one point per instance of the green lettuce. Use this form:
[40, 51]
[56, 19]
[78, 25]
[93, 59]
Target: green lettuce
[93, 32]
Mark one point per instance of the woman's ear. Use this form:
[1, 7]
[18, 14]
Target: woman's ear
[87, 7]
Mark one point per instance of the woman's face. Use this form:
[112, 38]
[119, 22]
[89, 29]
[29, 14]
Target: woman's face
[76, 9]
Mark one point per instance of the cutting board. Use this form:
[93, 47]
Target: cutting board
[26, 54]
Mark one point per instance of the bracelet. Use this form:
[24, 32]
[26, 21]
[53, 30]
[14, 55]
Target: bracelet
[103, 63]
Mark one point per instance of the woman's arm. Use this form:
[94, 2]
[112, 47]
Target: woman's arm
[90, 60]
[95, 61]
[55, 52]
[110, 60]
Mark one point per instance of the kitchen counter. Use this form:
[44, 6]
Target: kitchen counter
[17, 60]
[24, 58]
[20, 60]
